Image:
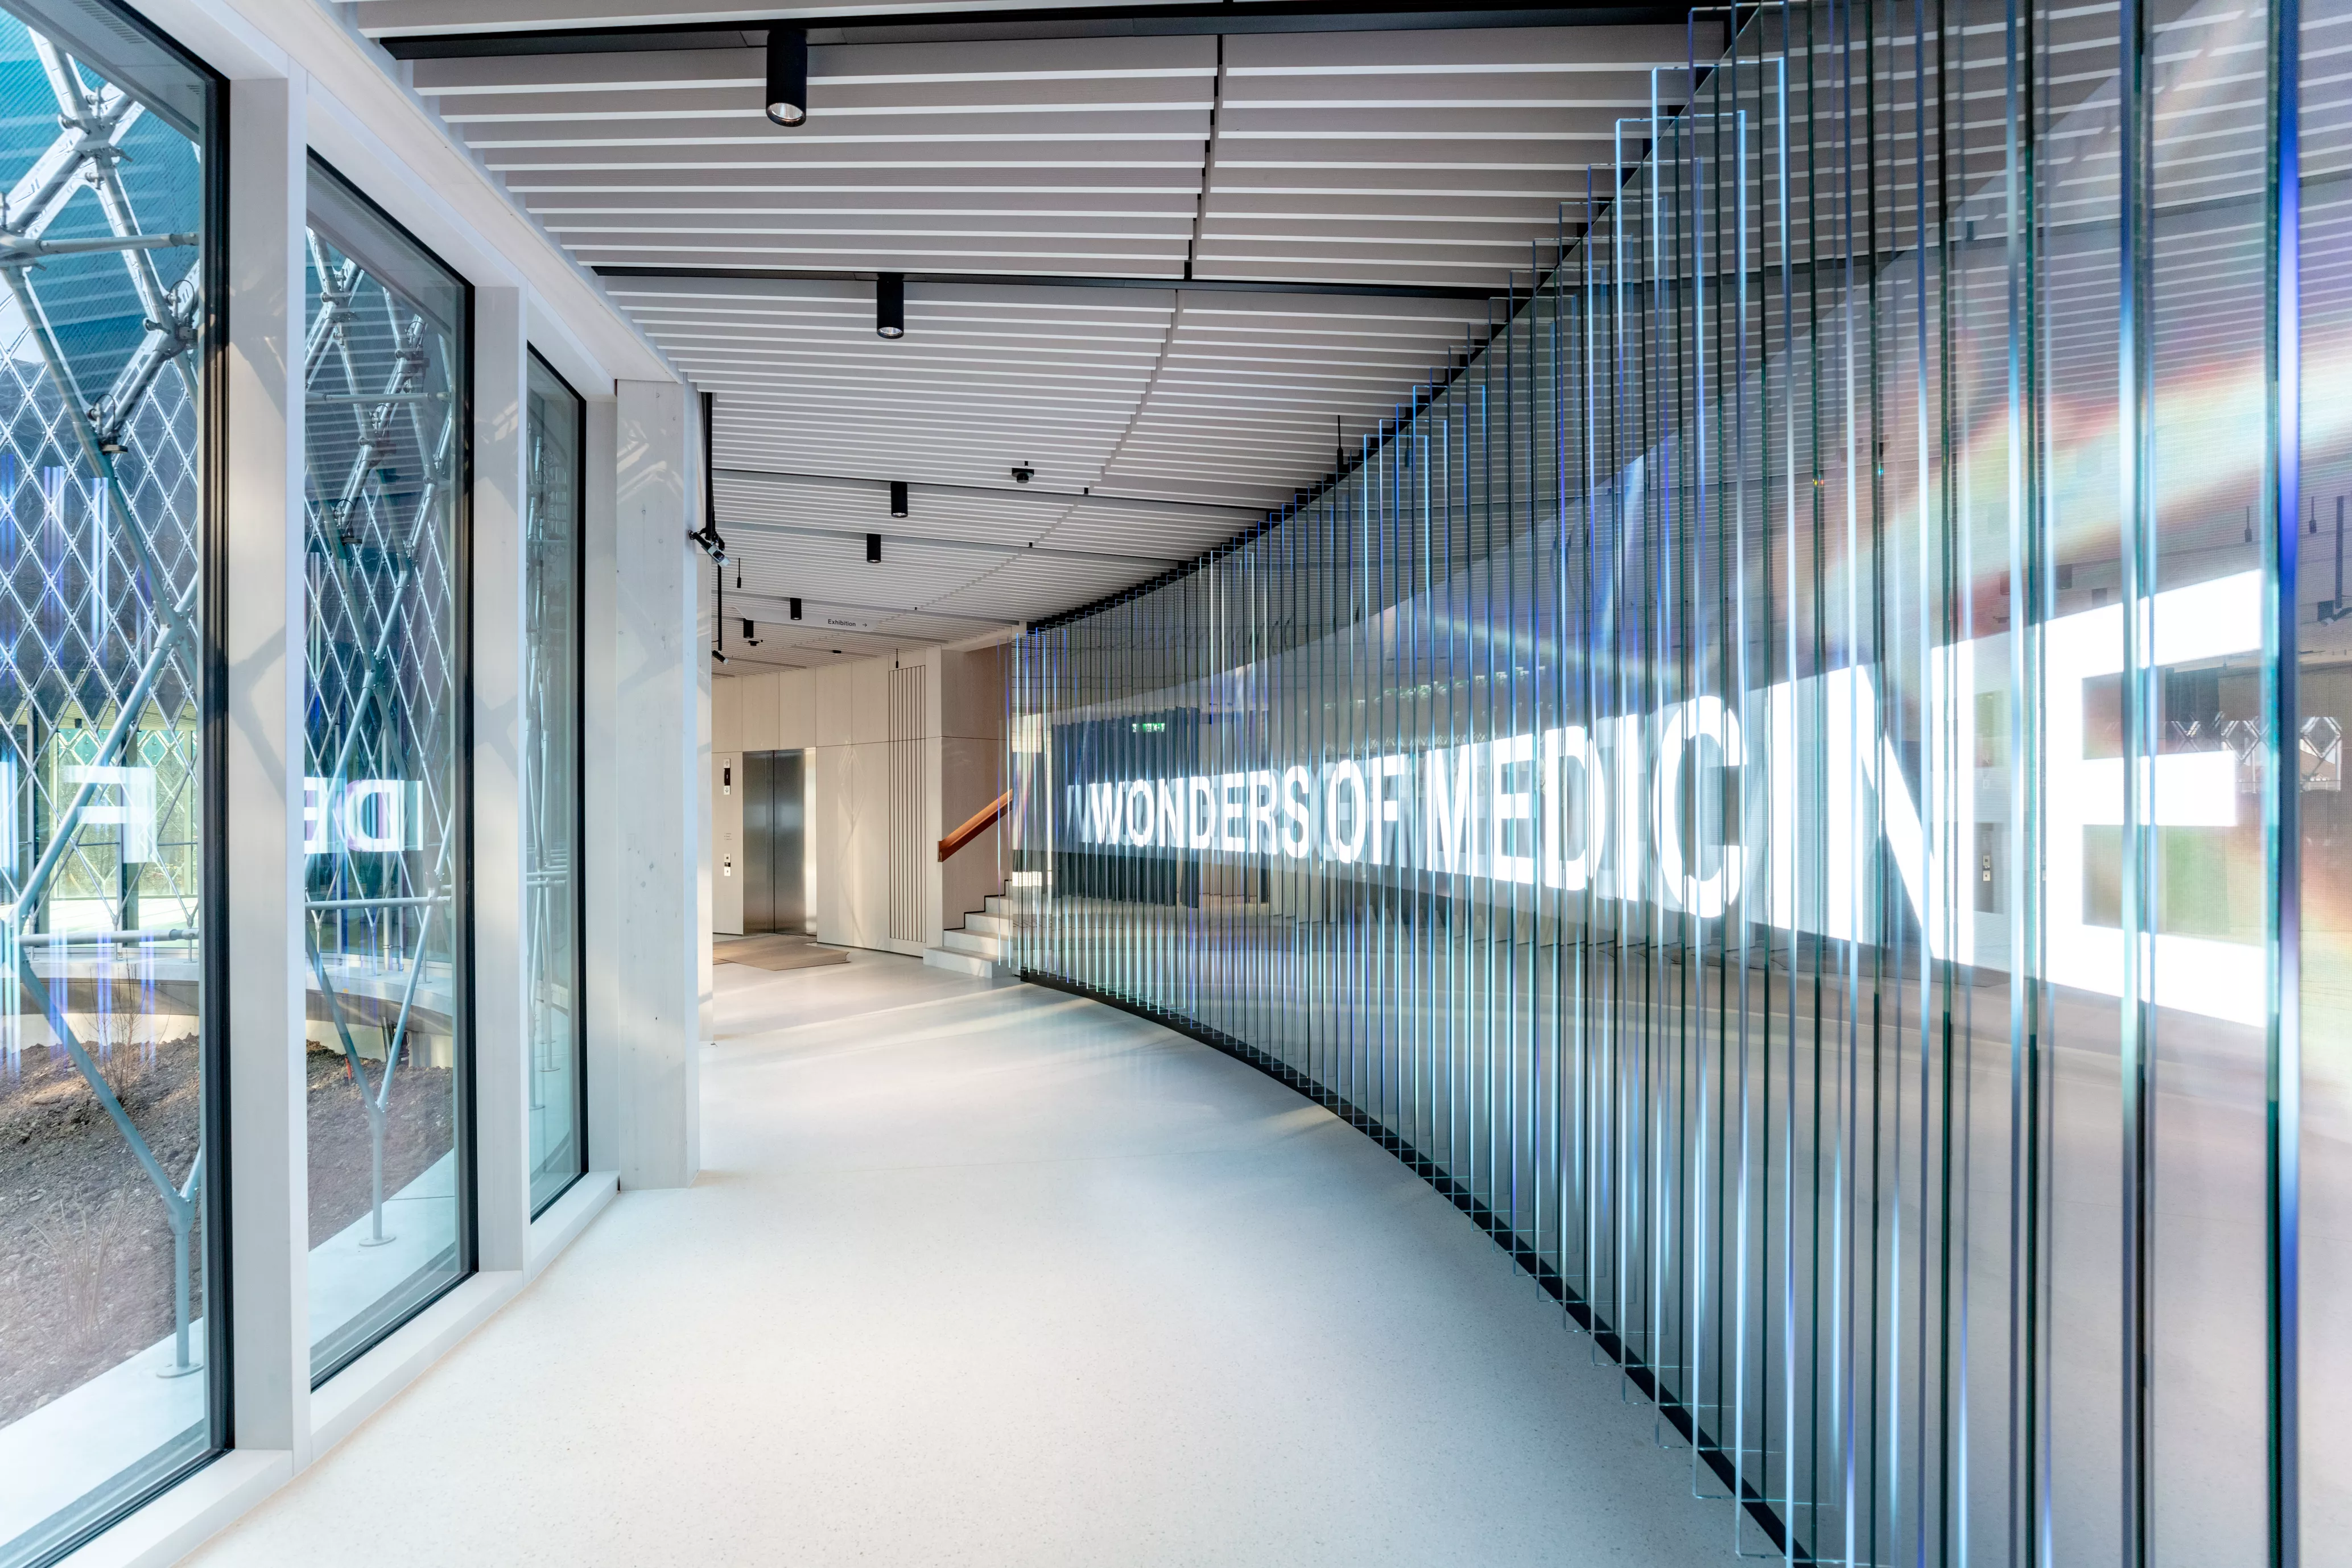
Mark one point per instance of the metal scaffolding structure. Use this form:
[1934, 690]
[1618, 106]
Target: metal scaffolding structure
[381, 377]
[98, 617]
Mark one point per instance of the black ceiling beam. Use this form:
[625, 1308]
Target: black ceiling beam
[1032, 493]
[1073, 280]
[969, 24]
[945, 542]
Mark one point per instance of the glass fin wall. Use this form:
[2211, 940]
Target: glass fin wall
[110, 1242]
[1798, 783]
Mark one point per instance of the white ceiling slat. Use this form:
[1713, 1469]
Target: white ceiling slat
[393, 19]
[1407, 158]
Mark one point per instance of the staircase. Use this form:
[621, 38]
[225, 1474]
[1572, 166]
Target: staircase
[976, 949]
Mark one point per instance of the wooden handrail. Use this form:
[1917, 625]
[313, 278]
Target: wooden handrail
[980, 823]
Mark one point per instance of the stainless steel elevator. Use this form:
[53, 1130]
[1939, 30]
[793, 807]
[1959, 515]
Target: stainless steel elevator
[775, 804]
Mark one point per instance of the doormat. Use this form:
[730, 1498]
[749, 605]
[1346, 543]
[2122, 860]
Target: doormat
[777, 950]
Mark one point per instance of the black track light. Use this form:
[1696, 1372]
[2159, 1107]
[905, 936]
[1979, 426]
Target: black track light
[889, 304]
[788, 75]
[898, 499]
[873, 547]
[750, 640]
[717, 657]
[796, 609]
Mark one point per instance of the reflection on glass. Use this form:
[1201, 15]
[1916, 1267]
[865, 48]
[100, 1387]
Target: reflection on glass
[1762, 785]
[385, 1046]
[107, 1338]
[551, 793]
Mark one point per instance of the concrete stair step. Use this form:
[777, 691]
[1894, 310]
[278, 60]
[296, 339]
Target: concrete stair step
[960, 962]
[979, 944]
[989, 925]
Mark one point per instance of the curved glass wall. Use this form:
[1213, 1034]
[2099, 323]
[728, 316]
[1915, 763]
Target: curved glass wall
[1799, 787]
[553, 584]
[108, 1209]
[386, 1047]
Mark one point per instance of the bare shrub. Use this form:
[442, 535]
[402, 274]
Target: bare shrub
[80, 1247]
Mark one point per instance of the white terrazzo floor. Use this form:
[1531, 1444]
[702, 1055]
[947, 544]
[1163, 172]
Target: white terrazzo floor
[1003, 1277]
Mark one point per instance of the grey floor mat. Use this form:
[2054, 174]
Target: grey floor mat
[779, 950]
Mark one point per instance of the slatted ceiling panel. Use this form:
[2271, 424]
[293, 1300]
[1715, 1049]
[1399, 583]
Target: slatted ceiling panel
[1129, 114]
[908, 578]
[1157, 535]
[1436, 157]
[987, 376]
[1248, 392]
[1418, 157]
[395, 18]
[1010, 519]
[1023, 589]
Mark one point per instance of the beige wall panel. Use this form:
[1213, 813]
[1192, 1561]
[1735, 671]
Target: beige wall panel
[796, 709]
[727, 833]
[971, 693]
[869, 701]
[759, 705]
[836, 697]
[727, 712]
[853, 845]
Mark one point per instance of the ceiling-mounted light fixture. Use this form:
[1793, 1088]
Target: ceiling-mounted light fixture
[889, 304]
[796, 609]
[750, 630]
[788, 75]
[898, 498]
[873, 547]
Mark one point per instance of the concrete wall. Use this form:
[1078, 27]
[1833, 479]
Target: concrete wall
[842, 714]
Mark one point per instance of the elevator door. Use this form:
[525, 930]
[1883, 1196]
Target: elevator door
[773, 843]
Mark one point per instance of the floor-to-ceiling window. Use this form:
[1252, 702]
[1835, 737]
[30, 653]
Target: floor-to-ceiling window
[386, 1047]
[554, 451]
[111, 1241]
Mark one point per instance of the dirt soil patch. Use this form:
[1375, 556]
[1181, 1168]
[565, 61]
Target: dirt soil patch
[416, 1132]
[84, 1249]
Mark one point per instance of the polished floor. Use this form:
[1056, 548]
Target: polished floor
[982, 1276]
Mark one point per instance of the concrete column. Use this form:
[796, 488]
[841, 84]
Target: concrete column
[502, 995]
[600, 814]
[660, 695]
[267, 1159]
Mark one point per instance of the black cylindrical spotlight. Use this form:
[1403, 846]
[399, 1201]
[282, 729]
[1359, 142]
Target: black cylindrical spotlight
[788, 75]
[796, 609]
[898, 498]
[891, 304]
[873, 547]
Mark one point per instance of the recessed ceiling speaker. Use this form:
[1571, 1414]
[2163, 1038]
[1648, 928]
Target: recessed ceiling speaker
[788, 75]
[898, 498]
[889, 304]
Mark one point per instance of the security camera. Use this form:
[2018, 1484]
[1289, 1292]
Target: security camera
[1023, 473]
